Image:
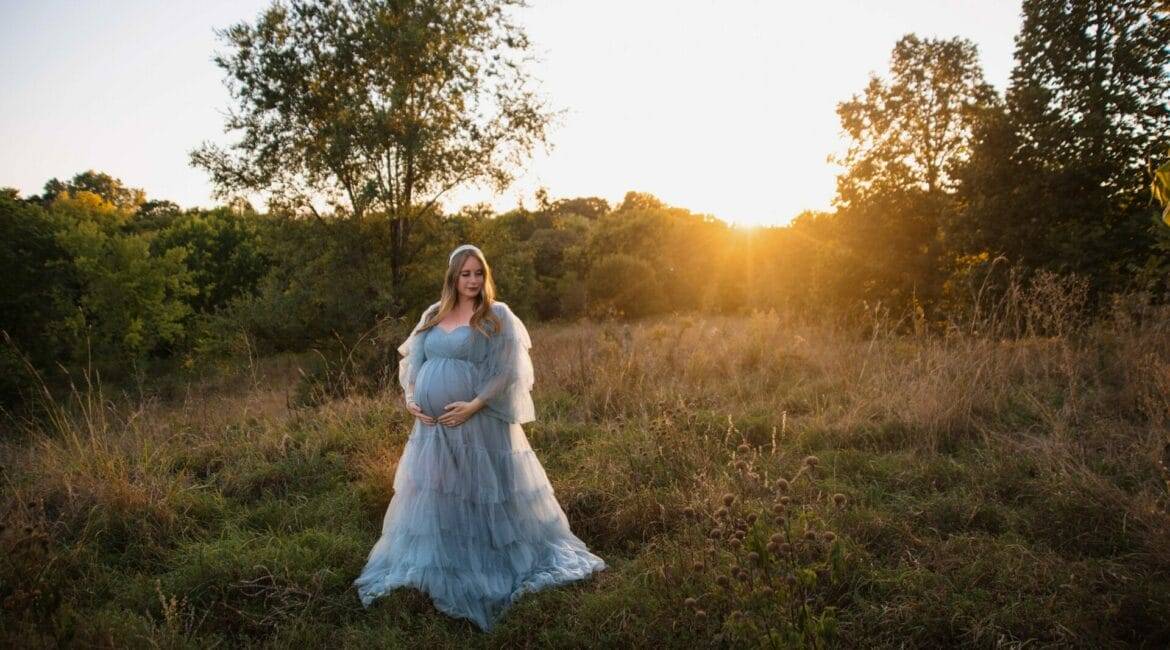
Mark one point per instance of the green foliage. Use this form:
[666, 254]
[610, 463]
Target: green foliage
[692, 261]
[951, 197]
[366, 366]
[909, 133]
[326, 279]
[376, 106]
[592, 208]
[112, 288]
[622, 285]
[110, 189]
[38, 293]
[1160, 188]
[225, 254]
[909, 136]
[1057, 181]
[85, 289]
[817, 271]
[131, 303]
[550, 256]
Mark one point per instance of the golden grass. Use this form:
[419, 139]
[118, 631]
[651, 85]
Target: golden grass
[225, 511]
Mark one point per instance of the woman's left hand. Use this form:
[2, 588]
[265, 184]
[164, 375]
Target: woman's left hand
[456, 413]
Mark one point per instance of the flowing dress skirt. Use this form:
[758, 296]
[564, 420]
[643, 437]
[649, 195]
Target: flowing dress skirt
[473, 523]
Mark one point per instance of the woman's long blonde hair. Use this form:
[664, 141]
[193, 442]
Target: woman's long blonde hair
[487, 295]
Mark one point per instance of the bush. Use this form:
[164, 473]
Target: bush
[623, 285]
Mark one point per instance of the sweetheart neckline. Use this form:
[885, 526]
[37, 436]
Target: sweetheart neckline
[446, 331]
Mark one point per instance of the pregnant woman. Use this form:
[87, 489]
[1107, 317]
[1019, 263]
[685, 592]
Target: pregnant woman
[473, 521]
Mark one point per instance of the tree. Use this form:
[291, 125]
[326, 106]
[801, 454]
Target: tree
[624, 285]
[110, 297]
[376, 105]
[1160, 188]
[1092, 85]
[640, 200]
[910, 132]
[223, 254]
[684, 250]
[908, 136]
[110, 189]
[590, 207]
[1060, 180]
[38, 293]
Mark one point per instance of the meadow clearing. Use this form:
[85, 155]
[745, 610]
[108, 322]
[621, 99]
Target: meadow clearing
[964, 489]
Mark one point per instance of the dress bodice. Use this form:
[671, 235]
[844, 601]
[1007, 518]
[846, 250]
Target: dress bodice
[448, 345]
[440, 366]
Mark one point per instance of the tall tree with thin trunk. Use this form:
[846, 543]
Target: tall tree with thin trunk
[907, 134]
[1061, 179]
[376, 105]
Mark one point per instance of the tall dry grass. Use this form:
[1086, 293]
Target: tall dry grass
[1024, 435]
[1091, 399]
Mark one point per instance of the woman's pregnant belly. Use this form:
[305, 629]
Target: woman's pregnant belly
[441, 381]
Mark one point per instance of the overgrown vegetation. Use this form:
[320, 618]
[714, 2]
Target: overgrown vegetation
[993, 490]
[937, 415]
[950, 190]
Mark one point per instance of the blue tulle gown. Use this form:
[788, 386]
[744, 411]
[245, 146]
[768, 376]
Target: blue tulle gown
[473, 521]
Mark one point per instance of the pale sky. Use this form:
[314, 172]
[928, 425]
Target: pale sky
[725, 108]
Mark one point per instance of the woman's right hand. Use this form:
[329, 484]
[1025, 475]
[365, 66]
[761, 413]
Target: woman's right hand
[414, 409]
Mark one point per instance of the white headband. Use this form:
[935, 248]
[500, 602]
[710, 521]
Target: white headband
[463, 248]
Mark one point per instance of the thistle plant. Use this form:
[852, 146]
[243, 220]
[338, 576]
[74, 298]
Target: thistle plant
[27, 560]
[770, 558]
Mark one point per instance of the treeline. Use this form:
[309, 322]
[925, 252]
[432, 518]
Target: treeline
[952, 193]
[99, 277]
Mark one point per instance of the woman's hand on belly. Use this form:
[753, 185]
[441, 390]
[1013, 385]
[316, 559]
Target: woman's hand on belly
[456, 413]
[417, 412]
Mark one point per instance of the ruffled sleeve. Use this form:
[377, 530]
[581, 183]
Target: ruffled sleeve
[505, 377]
[413, 355]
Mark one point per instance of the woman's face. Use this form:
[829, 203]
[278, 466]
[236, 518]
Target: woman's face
[470, 280]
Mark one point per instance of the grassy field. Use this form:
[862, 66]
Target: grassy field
[961, 490]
